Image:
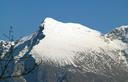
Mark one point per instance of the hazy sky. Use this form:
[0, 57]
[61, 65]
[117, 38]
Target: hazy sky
[26, 15]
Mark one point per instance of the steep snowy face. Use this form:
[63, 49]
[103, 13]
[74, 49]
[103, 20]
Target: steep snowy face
[63, 41]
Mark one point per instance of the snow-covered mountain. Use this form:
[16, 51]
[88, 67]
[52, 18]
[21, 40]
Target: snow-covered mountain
[71, 52]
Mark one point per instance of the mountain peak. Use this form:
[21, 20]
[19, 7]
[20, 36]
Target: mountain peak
[63, 40]
[123, 27]
[50, 20]
[52, 24]
[120, 33]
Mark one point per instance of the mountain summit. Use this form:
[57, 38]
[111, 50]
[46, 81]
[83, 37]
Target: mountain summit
[71, 52]
[120, 33]
[63, 40]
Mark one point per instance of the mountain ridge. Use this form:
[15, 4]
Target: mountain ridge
[70, 50]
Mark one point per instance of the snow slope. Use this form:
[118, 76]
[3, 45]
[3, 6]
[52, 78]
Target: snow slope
[63, 40]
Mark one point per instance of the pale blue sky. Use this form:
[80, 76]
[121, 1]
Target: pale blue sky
[26, 15]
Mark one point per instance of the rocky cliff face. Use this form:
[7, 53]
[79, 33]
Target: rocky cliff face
[70, 52]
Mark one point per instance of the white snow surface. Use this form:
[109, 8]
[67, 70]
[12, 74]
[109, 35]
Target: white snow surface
[63, 40]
